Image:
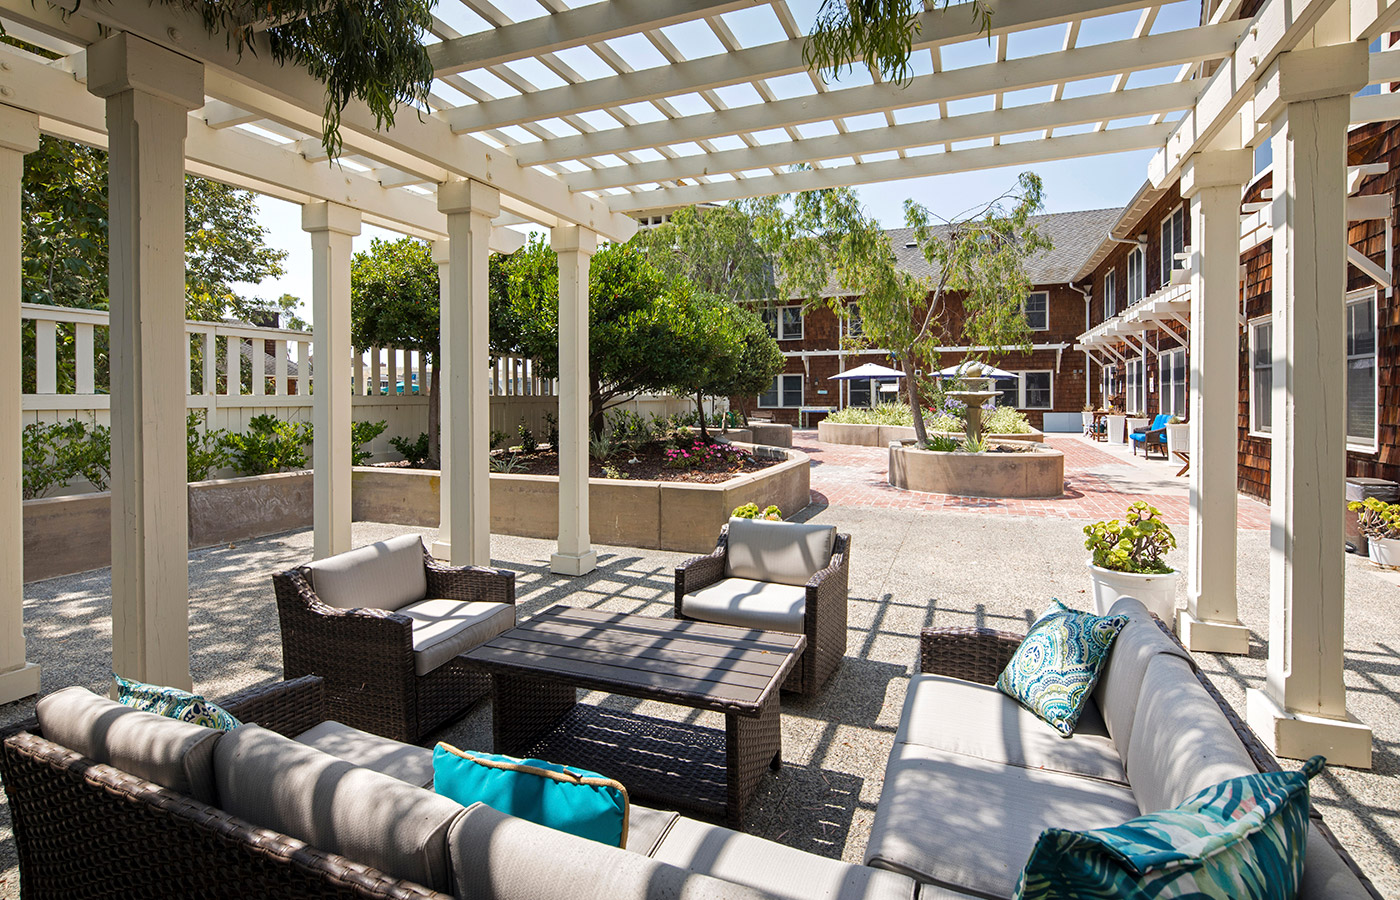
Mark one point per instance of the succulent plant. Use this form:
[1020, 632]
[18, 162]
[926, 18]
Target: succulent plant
[1136, 543]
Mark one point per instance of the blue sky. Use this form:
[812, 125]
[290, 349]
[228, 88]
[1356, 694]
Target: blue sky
[1069, 184]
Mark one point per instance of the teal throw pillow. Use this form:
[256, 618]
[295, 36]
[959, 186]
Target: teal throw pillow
[174, 703]
[1243, 839]
[566, 799]
[1055, 669]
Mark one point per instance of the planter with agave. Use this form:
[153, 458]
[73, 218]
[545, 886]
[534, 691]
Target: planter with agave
[1128, 561]
[1380, 522]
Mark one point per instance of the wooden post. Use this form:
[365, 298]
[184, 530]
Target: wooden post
[575, 247]
[442, 547]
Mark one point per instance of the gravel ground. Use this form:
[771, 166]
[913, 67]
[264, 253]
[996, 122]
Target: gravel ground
[909, 570]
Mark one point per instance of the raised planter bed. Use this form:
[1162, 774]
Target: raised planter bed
[1035, 475]
[884, 435]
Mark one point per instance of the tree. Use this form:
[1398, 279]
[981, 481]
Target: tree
[759, 360]
[394, 302]
[717, 248]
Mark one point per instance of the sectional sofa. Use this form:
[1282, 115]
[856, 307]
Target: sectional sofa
[111, 802]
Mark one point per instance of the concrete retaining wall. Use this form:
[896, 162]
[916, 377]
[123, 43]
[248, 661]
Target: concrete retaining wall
[884, 435]
[1026, 476]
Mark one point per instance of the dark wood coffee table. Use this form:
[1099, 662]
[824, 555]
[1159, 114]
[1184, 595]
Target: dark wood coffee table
[538, 667]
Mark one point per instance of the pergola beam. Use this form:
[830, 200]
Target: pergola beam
[569, 28]
[994, 123]
[1150, 52]
[937, 27]
[1138, 137]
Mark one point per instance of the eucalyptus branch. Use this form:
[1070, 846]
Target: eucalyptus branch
[879, 33]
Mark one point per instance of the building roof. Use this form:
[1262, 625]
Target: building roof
[1073, 236]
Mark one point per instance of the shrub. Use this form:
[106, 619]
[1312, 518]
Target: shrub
[497, 438]
[884, 414]
[528, 444]
[1378, 520]
[751, 511]
[507, 465]
[362, 433]
[53, 455]
[1135, 544]
[269, 445]
[41, 469]
[602, 447]
[416, 450]
[942, 443]
[613, 472]
[205, 448]
[699, 454]
[551, 433]
[945, 421]
[630, 430]
[1005, 420]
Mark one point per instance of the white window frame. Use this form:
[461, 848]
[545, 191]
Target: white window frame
[1173, 232]
[1356, 298]
[1254, 325]
[1021, 389]
[1110, 293]
[1025, 314]
[783, 394]
[851, 325]
[1166, 382]
[782, 324]
[1135, 387]
[1137, 281]
[1108, 377]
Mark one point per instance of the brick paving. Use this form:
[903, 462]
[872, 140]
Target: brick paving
[849, 476]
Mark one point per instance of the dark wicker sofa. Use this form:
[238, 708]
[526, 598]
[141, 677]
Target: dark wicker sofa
[366, 654]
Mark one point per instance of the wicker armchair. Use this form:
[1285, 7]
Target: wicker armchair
[366, 655]
[824, 615]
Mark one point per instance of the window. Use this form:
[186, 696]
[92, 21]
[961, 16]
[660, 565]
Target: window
[1028, 390]
[1010, 389]
[1361, 369]
[859, 393]
[1261, 376]
[1137, 275]
[853, 324]
[785, 391]
[1110, 387]
[784, 322]
[1110, 295]
[1134, 400]
[1037, 311]
[1171, 382]
[1173, 242]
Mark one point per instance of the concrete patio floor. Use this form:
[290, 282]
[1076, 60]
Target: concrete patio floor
[911, 568]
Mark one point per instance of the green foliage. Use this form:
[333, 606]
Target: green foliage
[1134, 544]
[497, 438]
[528, 443]
[973, 444]
[602, 447]
[942, 443]
[206, 449]
[878, 33]
[394, 296]
[613, 472]
[701, 454]
[628, 429]
[884, 414]
[1005, 420]
[507, 464]
[1378, 519]
[416, 450]
[362, 433]
[269, 445]
[54, 455]
[944, 422]
[716, 248]
[551, 434]
[751, 511]
[367, 50]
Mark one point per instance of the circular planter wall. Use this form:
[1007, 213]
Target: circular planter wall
[1027, 476]
[884, 435]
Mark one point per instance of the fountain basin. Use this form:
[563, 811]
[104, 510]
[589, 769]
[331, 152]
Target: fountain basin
[1038, 473]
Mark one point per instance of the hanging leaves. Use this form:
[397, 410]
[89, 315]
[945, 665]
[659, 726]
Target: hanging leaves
[879, 33]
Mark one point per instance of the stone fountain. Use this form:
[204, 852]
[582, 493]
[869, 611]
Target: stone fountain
[972, 376]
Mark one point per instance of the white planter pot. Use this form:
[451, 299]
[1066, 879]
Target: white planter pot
[1384, 551]
[1156, 592]
[1115, 429]
[1178, 438]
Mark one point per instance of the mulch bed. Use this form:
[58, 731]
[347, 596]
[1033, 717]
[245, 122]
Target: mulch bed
[650, 466]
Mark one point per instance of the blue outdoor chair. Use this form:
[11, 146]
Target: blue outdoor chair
[1154, 438]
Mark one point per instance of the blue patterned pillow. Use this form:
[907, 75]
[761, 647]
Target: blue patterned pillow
[1243, 839]
[173, 703]
[1056, 667]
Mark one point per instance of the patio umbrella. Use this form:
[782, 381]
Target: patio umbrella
[964, 370]
[869, 370]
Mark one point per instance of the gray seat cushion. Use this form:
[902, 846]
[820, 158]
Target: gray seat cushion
[1325, 875]
[385, 575]
[405, 762]
[1182, 742]
[500, 857]
[335, 805]
[979, 720]
[765, 605]
[785, 552]
[443, 628]
[647, 827]
[173, 754]
[776, 868]
[970, 824]
[1120, 681]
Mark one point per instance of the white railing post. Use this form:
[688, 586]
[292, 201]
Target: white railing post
[233, 367]
[46, 356]
[357, 368]
[303, 367]
[83, 359]
[375, 380]
[279, 385]
[210, 384]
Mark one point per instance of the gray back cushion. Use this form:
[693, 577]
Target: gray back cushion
[782, 552]
[385, 575]
[1182, 742]
[1120, 681]
[334, 805]
[500, 857]
[173, 754]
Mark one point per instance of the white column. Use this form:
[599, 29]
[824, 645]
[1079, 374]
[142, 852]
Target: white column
[1214, 185]
[575, 246]
[19, 134]
[1302, 708]
[149, 91]
[442, 547]
[332, 228]
[470, 206]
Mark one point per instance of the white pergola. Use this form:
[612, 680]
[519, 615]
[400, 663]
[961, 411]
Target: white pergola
[580, 119]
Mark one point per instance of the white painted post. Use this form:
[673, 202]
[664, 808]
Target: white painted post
[470, 206]
[332, 227]
[376, 374]
[1302, 709]
[149, 91]
[279, 377]
[303, 367]
[233, 367]
[83, 359]
[257, 358]
[575, 246]
[45, 356]
[442, 547]
[210, 385]
[19, 134]
[1214, 183]
[357, 369]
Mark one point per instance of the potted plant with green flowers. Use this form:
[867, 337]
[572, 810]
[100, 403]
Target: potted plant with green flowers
[1380, 522]
[1128, 561]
